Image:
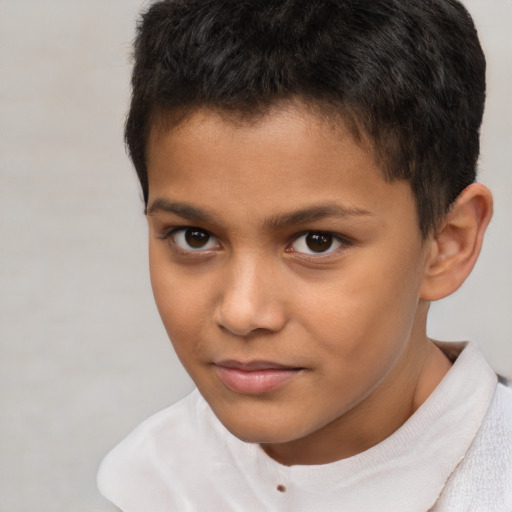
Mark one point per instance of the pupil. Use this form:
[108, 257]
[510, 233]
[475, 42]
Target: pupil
[319, 242]
[196, 238]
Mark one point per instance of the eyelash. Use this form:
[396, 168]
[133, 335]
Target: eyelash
[335, 239]
[171, 234]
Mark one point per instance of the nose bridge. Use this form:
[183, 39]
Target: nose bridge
[250, 295]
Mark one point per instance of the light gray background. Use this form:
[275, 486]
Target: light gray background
[83, 357]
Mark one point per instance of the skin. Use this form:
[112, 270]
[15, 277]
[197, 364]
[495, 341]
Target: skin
[350, 321]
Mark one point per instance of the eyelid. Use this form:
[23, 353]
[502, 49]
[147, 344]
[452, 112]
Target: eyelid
[341, 240]
[170, 236]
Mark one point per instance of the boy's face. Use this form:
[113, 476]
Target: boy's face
[286, 270]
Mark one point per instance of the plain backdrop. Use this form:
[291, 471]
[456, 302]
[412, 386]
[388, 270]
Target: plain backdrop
[83, 356]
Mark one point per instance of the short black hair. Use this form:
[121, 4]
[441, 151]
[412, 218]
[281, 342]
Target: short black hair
[407, 76]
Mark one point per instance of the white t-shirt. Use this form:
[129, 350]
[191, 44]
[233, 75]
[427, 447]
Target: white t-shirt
[453, 454]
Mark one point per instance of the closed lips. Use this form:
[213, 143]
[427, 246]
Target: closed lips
[254, 377]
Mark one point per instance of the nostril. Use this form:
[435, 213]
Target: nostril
[248, 333]
[249, 318]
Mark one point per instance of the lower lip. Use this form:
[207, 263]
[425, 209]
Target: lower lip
[255, 382]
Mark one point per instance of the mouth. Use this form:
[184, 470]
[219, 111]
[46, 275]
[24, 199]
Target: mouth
[254, 377]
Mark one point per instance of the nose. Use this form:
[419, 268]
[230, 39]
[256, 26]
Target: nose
[250, 299]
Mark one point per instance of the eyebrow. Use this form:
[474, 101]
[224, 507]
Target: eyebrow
[300, 216]
[314, 213]
[183, 210]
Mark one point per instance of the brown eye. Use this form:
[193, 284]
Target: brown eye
[316, 242]
[319, 242]
[194, 239]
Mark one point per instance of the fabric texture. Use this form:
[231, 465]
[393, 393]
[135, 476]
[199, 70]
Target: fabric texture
[453, 454]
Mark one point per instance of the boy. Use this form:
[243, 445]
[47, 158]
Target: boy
[308, 172]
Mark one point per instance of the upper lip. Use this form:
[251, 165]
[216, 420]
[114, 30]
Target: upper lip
[251, 366]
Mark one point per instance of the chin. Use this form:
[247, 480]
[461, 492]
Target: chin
[261, 431]
[261, 436]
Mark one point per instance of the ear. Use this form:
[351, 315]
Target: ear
[454, 249]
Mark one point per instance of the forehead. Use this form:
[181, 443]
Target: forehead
[288, 158]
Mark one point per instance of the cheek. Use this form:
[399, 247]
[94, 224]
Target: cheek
[364, 316]
[181, 299]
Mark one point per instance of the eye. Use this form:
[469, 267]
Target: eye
[194, 239]
[316, 242]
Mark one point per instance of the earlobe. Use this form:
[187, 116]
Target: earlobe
[454, 249]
